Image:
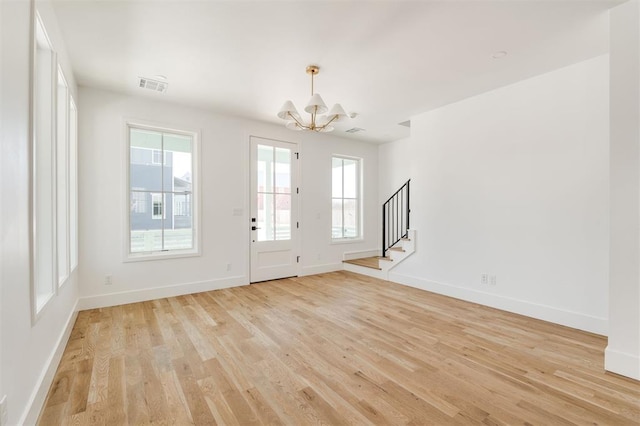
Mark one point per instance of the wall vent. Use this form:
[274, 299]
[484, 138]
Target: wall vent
[354, 130]
[151, 84]
[405, 123]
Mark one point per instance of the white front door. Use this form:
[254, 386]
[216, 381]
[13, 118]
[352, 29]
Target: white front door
[274, 209]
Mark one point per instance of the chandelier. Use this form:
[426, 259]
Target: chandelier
[315, 106]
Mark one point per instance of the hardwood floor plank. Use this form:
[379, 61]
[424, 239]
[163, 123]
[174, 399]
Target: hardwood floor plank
[337, 348]
[116, 392]
[198, 408]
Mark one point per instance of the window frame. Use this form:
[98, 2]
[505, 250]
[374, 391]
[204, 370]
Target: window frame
[73, 184]
[359, 164]
[128, 256]
[37, 111]
[63, 212]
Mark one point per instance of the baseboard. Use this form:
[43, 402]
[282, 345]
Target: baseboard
[320, 269]
[350, 255]
[622, 363]
[37, 400]
[134, 296]
[543, 312]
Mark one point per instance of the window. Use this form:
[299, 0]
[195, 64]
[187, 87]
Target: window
[73, 185]
[62, 192]
[345, 198]
[43, 214]
[54, 177]
[162, 213]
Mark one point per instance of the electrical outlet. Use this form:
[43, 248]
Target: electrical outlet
[484, 278]
[492, 280]
[4, 414]
[108, 280]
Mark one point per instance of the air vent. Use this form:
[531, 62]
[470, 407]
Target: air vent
[354, 130]
[405, 123]
[151, 84]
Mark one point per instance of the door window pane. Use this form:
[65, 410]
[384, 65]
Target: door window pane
[265, 219]
[283, 171]
[273, 193]
[283, 216]
[265, 168]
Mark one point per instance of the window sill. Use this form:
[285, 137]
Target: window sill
[149, 256]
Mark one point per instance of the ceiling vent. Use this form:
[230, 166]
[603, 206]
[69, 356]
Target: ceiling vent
[354, 130]
[151, 84]
[406, 123]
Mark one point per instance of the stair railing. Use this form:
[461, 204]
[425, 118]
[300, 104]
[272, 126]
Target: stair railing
[395, 218]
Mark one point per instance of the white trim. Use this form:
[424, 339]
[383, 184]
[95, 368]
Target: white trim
[39, 394]
[622, 363]
[145, 256]
[543, 312]
[134, 296]
[320, 269]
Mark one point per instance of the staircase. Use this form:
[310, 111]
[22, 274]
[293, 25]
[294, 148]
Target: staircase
[379, 266]
[398, 241]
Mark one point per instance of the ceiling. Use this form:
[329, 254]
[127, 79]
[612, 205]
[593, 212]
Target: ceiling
[384, 60]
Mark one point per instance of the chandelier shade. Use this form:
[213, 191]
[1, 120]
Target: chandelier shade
[292, 125]
[315, 106]
[338, 112]
[287, 109]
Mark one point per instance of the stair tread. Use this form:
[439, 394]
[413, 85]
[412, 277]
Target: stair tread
[367, 262]
[387, 258]
[396, 248]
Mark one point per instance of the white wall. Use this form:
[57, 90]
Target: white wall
[224, 187]
[29, 352]
[514, 183]
[623, 352]
[395, 167]
[394, 164]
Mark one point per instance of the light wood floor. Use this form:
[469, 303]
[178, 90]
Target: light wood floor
[335, 349]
